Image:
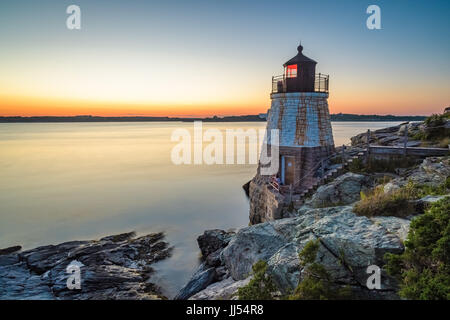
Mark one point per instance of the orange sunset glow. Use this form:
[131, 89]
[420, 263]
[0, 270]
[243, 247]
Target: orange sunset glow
[396, 102]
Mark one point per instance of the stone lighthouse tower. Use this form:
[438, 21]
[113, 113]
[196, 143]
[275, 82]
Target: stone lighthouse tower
[299, 111]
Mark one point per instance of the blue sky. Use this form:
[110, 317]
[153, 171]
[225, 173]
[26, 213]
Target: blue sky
[126, 51]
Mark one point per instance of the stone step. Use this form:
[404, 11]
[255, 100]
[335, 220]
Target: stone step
[330, 175]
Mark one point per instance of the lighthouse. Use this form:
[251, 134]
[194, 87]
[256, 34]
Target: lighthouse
[299, 111]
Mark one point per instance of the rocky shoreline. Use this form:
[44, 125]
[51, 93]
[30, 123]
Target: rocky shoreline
[348, 243]
[114, 267]
[120, 266]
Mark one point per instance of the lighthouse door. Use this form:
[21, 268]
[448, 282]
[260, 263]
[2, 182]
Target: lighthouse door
[289, 165]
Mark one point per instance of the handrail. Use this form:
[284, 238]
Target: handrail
[313, 170]
[274, 183]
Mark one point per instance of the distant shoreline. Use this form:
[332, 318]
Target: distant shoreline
[247, 118]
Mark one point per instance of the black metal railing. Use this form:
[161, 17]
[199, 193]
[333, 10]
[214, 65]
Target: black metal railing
[321, 83]
[279, 84]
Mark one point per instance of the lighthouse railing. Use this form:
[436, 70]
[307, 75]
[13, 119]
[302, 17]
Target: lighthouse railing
[321, 83]
[279, 84]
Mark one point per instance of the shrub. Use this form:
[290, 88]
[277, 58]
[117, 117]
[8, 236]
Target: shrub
[424, 267]
[418, 136]
[425, 190]
[435, 129]
[357, 166]
[317, 282]
[309, 252]
[260, 287]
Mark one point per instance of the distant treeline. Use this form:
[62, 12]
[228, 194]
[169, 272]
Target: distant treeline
[248, 118]
[128, 119]
[373, 117]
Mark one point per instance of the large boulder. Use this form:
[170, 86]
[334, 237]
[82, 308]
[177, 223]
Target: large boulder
[348, 245]
[213, 240]
[343, 190]
[251, 244]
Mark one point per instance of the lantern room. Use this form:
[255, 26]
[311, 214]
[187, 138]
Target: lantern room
[300, 76]
[299, 73]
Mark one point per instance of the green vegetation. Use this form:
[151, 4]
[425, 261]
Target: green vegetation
[435, 126]
[378, 203]
[398, 202]
[260, 287]
[425, 190]
[317, 282]
[424, 267]
[435, 131]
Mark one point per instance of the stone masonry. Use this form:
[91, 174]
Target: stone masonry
[305, 134]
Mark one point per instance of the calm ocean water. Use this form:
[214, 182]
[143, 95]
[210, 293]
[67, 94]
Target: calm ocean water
[67, 181]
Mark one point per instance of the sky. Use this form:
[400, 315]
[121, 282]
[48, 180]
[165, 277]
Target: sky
[201, 58]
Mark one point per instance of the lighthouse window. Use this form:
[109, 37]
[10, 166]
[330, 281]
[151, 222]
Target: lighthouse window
[291, 71]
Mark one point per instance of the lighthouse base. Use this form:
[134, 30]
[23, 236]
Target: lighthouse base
[300, 168]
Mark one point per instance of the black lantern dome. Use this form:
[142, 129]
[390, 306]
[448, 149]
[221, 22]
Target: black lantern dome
[300, 58]
[300, 73]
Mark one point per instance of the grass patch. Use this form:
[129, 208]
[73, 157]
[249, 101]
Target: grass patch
[378, 203]
[398, 202]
